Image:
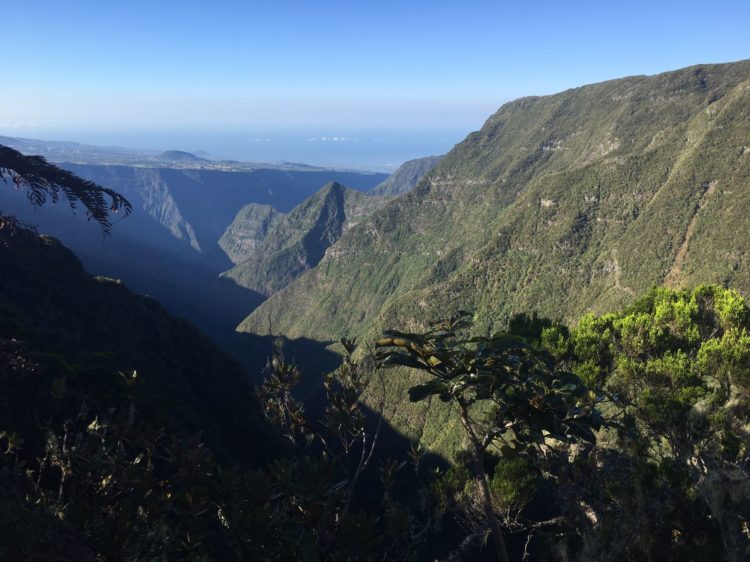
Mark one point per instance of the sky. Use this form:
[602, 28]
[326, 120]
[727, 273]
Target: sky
[224, 75]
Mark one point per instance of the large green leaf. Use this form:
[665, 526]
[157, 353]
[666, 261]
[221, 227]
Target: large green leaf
[422, 391]
[403, 359]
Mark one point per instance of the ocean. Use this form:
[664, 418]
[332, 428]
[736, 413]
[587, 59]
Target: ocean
[371, 150]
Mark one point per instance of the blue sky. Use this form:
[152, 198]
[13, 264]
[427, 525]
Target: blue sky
[330, 67]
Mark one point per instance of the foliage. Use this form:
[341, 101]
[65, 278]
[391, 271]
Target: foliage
[332, 455]
[507, 392]
[679, 363]
[44, 180]
[565, 204]
[531, 401]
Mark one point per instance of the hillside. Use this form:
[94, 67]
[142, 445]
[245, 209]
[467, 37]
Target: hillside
[406, 176]
[561, 204]
[248, 229]
[90, 330]
[297, 241]
[179, 156]
[169, 246]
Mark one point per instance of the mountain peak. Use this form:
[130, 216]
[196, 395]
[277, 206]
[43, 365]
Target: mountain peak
[288, 245]
[332, 186]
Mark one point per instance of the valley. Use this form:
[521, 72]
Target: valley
[546, 328]
[169, 247]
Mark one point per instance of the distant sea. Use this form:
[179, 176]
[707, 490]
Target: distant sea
[362, 150]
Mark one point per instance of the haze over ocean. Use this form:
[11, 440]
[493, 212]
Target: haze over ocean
[373, 150]
[396, 80]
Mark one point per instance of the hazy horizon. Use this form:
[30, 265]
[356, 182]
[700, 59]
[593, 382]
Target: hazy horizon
[367, 150]
[420, 74]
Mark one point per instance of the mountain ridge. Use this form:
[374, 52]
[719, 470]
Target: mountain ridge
[298, 240]
[406, 176]
[503, 197]
[560, 205]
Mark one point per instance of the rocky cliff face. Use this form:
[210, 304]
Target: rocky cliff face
[298, 240]
[197, 205]
[249, 228]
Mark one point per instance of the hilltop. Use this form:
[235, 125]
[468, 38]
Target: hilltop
[179, 156]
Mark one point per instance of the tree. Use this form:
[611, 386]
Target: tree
[44, 180]
[318, 513]
[679, 361]
[508, 393]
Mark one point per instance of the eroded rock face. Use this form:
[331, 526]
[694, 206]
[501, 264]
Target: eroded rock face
[248, 230]
[293, 243]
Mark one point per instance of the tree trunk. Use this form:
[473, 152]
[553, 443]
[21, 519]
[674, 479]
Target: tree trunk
[480, 477]
[723, 492]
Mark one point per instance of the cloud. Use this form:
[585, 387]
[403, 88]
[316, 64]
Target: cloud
[19, 125]
[331, 139]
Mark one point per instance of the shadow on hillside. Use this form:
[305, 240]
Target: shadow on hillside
[312, 357]
[394, 445]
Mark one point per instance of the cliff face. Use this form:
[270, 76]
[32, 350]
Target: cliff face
[298, 240]
[197, 205]
[249, 228]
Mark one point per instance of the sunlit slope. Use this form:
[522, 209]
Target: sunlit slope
[561, 204]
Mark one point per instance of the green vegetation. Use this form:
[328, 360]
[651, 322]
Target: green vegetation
[125, 435]
[406, 177]
[565, 204]
[523, 402]
[665, 475]
[289, 245]
[679, 361]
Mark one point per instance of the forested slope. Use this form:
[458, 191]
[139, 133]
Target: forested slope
[561, 204]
